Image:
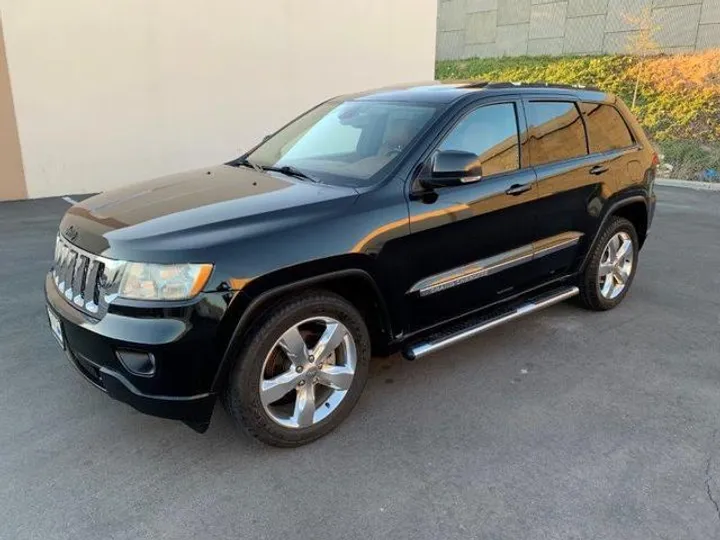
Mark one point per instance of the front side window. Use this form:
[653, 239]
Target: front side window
[491, 133]
[556, 132]
[345, 142]
[606, 128]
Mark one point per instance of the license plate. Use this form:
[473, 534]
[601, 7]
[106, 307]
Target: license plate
[56, 327]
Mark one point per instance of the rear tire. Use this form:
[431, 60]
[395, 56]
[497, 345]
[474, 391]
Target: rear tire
[278, 391]
[611, 269]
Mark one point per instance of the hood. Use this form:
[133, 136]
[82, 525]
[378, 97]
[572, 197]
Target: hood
[151, 220]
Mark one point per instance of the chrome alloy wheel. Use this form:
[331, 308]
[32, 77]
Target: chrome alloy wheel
[308, 372]
[616, 265]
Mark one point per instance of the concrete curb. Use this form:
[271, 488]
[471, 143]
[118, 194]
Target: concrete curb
[702, 186]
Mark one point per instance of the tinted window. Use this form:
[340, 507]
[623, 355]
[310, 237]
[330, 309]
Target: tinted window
[491, 133]
[606, 128]
[556, 133]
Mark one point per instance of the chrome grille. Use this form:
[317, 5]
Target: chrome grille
[78, 275]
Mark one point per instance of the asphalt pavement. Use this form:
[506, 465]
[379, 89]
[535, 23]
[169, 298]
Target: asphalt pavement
[565, 424]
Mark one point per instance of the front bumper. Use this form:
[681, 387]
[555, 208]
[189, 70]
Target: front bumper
[183, 347]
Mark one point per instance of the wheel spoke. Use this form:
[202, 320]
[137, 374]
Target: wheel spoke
[624, 250]
[336, 377]
[330, 340]
[273, 389]
[607, 286]
[304, 406]
[293, 344]
[621, 275]
[613, 246]
[605, 269]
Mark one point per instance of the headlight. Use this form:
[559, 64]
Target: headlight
[143, 281]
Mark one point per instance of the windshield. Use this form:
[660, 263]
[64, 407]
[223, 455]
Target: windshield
[344, 142]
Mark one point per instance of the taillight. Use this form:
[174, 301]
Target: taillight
[655, 159]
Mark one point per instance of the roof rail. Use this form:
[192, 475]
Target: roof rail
[476, 84]
[541, 85]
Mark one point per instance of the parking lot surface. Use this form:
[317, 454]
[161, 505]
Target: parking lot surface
[565, 424]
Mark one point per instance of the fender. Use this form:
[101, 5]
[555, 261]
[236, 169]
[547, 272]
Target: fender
[609, 212]
[251, 306]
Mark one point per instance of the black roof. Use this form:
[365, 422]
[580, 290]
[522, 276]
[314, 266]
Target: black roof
[448, 92]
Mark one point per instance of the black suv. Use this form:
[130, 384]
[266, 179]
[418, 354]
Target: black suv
[400, 219]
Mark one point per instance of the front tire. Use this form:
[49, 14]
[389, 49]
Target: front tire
[611, 269]
[301, 370]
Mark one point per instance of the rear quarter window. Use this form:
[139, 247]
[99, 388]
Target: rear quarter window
[606, 128]
[556, 132]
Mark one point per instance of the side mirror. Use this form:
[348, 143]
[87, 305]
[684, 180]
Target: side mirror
[453, 168]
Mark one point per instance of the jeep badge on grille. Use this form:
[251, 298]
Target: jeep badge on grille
[71, 233]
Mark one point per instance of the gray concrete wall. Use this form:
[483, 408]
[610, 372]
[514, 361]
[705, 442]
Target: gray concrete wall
[470, 28]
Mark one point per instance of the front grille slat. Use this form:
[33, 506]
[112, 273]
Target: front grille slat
[62, 273]
[91, 286]
[77, 275]
[60, 269]
[69, 274]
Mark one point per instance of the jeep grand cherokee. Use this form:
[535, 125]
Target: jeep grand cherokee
[402, 219]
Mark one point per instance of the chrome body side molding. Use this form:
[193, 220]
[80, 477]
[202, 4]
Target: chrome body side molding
[472, 271]
[494, 264]
[555, 243]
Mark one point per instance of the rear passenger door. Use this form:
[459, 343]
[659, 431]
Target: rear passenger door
[610, 137]
[571, 181]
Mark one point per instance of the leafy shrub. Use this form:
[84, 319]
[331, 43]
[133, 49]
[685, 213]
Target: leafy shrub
[678, 96]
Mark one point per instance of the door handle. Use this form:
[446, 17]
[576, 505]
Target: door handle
[518, 189]
[599, 169]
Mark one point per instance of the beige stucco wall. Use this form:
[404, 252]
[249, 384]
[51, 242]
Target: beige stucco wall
[115, 91]
[12, 180]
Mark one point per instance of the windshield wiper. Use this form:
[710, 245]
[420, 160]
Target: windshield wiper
[285, 169]
[291, 171]
[245, 162]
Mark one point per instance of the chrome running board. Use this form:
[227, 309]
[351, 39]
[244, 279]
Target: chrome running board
[475, 327]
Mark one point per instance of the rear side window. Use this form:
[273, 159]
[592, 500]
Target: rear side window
[556, 132]
[606, 128]
[490, 132]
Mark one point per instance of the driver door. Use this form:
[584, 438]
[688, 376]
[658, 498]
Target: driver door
[472, 243]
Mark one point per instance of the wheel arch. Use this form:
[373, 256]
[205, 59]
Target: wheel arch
[636, 213]
[634, 208]
[354, 284]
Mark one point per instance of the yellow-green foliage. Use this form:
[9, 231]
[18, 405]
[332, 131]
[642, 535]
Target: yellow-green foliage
[678, 96]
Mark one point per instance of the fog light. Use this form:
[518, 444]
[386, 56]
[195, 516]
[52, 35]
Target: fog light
[139, 363]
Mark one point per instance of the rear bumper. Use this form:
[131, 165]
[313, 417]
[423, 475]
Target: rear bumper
[652, 202]
[186, 365]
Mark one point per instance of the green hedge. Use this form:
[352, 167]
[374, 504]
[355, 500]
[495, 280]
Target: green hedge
[678, 101]
[667, 108]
